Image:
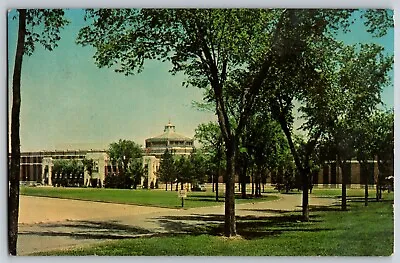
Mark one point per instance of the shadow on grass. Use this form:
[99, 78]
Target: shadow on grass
[273, 211]
[211, 198]
[87, 230]
[204, 196]
[249, 227]
[370, 200]
[205, 199]
[290, 193]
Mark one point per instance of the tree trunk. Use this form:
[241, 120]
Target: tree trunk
[230, 146]
[366, 188]
[243, 181]
[212, 183]
[305, 208]
[217, 181]
[13, 197]
[344, 190]
[258, 184]
[244, 193]
[172, 185]
[252, 182]
[344, 187]
[230, 221]
[216, 191]
[299, 166]
[377, 181]
[166, 186]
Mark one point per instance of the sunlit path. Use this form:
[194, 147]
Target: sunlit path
[51, 223]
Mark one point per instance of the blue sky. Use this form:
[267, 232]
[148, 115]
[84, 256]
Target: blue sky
[66, 99]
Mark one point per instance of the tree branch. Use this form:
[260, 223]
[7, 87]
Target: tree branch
[255, 86]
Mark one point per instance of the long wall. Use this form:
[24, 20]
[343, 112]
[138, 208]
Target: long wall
[32, 167]
[32, 163]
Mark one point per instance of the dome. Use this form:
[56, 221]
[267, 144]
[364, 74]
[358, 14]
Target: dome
[171, 140]
[169, 133]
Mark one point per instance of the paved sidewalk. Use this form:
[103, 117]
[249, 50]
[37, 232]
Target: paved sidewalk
[51, 223]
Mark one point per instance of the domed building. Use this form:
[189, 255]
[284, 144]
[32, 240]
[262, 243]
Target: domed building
[175, 143]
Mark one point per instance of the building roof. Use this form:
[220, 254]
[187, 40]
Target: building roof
[169, 134]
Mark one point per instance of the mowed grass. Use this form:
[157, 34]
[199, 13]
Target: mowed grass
[361, 231]
[351, 193]
[158, 198]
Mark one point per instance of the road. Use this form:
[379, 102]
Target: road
[52, 223]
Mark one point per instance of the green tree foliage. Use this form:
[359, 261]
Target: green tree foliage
[264, 145]
[184, 170]
[317, 81]
[362, 74]
[199, 167]
[136, 171]
[191, 169]
[34, 26]
[210, 137]
[363, 145]
[126, 155]
[67, 173]
[167, 171]
[88, 165]
[374, 138]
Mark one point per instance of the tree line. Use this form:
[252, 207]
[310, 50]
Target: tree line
[175, 170]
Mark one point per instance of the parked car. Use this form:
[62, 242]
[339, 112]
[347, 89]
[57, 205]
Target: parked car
[199, 188]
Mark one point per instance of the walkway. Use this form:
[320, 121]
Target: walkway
[51, 223]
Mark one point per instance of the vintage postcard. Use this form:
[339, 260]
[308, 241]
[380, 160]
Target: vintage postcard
[201, 132]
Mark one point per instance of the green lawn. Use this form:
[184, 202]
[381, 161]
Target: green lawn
[159, 198]
[352, 192]
[361, 231]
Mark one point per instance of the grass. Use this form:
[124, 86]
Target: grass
[361, 231]
[159, 198]
[351, 193]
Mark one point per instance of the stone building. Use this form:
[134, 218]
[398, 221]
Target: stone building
[155, 147]
[176, 143]
[37, 167]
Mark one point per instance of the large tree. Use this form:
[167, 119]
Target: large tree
[167, 171]
[67, 172]
[199, 166]
[383, 146]
[319, 82]
[210, 138]
[207, 45]
[125, 155]
[34, 26]
[184, 170]
[362, 75]
[212, 47]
